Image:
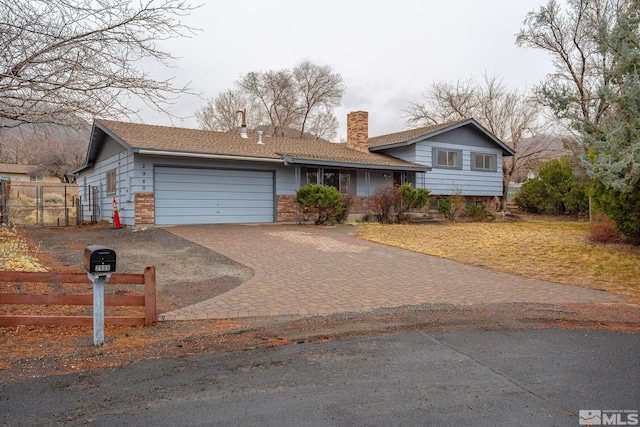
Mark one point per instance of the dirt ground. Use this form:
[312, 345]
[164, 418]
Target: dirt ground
[34, 351]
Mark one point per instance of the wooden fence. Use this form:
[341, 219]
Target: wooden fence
[148, 300]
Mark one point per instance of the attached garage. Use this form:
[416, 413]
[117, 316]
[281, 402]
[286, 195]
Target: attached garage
[213, 196]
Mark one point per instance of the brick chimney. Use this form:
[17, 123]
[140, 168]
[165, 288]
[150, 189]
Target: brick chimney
[358, 131]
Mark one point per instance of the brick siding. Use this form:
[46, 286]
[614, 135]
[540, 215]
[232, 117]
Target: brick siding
[287, 209]
[144, 208]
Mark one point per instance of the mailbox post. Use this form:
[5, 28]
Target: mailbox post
[100, 262]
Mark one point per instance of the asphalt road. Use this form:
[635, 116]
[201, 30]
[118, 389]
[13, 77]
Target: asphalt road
[493, 378]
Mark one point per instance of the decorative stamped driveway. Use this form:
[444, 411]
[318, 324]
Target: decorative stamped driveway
[303, 270]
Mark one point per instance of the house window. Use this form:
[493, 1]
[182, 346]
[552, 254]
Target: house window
[448, 158]
[111, 182]
[312, 176]
[343, 180]
[484, 162]
[340, 179]
[36, 178]
[400, 178]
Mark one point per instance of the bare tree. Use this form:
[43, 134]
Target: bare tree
[318, 87]
[573, 39]
[322, 124]
[221, 113]
[66, 62]
[52, 149]
[275, 92]
[509, 115]
[17, 150]
[287, 102]
[59, 158]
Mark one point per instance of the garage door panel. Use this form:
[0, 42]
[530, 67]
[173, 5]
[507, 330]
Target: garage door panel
[178, 205]
[206, 196]
[172, 188]
[212, 219]
[207, 211]
[214, 180]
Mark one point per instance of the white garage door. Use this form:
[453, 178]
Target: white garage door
[212, 196]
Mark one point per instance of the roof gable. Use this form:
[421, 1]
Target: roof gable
[413, 136]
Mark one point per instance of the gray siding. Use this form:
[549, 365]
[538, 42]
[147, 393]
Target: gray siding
[444, 181]
[122, 162]
[377, 178]
[467, 136]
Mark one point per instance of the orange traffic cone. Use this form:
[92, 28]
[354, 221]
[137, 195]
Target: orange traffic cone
[116, 217]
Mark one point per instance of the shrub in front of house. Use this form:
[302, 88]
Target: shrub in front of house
[452, 207]
[386, 201]
[348, 202]
[477, 212]
[444, 208]
[392, 202]
[413, 198]
[321, 203]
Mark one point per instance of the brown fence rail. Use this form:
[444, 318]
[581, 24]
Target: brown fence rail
[148, 300]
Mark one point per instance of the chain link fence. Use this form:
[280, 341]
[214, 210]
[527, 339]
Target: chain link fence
[41, 204]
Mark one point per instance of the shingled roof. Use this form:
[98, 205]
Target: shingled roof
[152, 139]
[408, 135]
[413, 135]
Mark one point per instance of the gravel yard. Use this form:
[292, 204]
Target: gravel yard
[185, 272]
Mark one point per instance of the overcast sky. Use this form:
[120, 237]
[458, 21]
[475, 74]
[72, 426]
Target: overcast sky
[388, 52]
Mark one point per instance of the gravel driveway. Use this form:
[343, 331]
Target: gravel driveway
[186, 272]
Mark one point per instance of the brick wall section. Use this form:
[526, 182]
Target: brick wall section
[360, 205]
[491, 203]
[358, 130]
[286, 209]
[144, 208]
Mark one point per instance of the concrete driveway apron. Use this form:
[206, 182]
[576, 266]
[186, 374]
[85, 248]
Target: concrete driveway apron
[303, 270]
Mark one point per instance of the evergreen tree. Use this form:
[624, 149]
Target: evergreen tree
[613, 147]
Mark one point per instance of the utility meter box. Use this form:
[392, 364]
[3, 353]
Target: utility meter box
[99, 260]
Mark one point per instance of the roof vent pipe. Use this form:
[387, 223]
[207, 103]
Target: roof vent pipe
[243, 129]
[260, 138]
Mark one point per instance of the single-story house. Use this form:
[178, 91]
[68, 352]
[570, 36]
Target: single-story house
[24, 173]
[165, 175]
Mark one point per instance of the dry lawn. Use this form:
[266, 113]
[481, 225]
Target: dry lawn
[555, 251]
[16, 254]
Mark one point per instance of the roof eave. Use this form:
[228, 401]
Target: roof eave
[395, 144]
[290, 160]
[153, 152]
[83, 167]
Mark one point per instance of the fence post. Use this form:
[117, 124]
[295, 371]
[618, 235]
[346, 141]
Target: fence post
[98, 308]
[150, 309]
